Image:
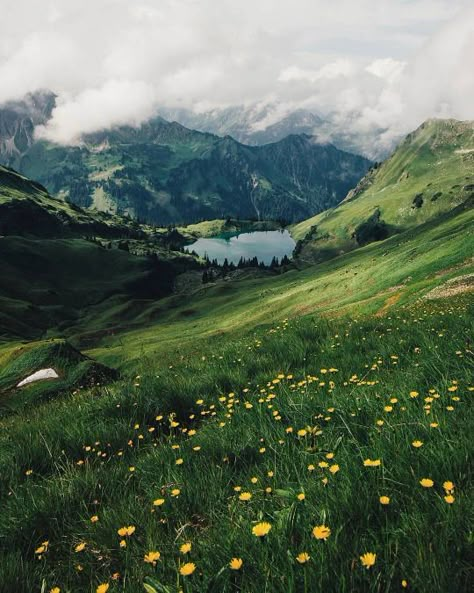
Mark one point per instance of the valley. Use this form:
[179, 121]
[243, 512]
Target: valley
[249, 428]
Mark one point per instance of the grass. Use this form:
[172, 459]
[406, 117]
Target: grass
[360, 282]
[287, 397]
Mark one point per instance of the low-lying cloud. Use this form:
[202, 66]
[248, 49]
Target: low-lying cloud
[387, 65]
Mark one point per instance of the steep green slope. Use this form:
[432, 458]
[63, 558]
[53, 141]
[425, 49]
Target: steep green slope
[162, 172]
[430, 173]
[58, 260]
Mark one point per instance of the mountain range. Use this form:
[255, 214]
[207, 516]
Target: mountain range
[163, 172]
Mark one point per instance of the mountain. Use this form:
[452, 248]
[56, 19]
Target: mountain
[165, 173]
[253, 125]
[53, 258]
[262, 123]
[18, 120]
[431, 173]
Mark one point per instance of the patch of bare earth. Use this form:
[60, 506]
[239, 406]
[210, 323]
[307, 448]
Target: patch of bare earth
[452, 287]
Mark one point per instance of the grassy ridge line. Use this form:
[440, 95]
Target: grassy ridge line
[435, 162]
[344, 384]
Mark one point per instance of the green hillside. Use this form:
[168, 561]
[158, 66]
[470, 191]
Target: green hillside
[163, 173]
[59, 262]
[430, 173]
[303, 430]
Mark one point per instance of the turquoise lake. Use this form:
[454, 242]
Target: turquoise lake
[265, 245]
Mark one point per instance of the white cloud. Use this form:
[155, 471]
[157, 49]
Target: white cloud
[113, 61]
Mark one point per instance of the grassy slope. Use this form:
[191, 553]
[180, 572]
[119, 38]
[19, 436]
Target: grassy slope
[333, 351]
[396, 270]
[112, 456]
[436, 160]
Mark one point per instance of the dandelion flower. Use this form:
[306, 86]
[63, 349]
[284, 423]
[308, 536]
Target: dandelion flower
[245, 496]
[55, 590]
[417, 444]
[301, 496]
[334, 468]
[94, 519]
[179, 461]
[187, 569]
[185, 548]
[236, 563]
[261, 529]
[80, 547]
[384, 500]
[449, 498]
[368, 559]
[126, 531]
[303, 557]
[427, 483]
[103, 588]
[372, 462]
[321, 532]
[448, 486]
[158, 502]
[152, 557]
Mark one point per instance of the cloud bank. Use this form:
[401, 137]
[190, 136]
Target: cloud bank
[386, 65]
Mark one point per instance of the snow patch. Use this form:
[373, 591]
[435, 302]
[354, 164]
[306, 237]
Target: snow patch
[39, 376]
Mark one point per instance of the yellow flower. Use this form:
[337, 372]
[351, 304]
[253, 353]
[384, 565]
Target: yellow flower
[152, 557]
[414, 394]
[368, 559]
[123, 543]
[254, 480]
[42, 548]
[427, 483]
[179, 461]
[261, 529]
[80, 547]
[311, 467]
[302, 432]
[187, 569]
[185, 548]
[417, 444]
[245, 496]
[321, 532]
[236, 563]
[384, 500]
[175, 492]
[55, 590]
[94, 519]
[158, 502]
[334, 468]
[449, 498]
[103, 588]
[126, 531]
[303, 557]
[448, 486]
[404, 583]
[301, 496]
[372, 462]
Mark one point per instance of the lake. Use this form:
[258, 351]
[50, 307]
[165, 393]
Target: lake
[265, 245]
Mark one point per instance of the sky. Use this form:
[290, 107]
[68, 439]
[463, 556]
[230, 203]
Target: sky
[372, 64]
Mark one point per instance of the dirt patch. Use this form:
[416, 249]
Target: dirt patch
[452, 287]
[390, 302]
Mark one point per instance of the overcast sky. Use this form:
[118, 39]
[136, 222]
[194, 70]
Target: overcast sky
[388, 63]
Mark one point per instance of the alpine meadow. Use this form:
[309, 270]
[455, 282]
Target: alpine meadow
[237, 420]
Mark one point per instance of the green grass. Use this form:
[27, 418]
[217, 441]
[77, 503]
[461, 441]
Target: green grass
[398, 270]
[78, 452]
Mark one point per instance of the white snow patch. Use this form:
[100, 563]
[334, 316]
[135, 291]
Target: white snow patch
[39, 376]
